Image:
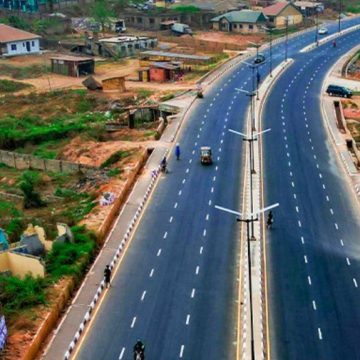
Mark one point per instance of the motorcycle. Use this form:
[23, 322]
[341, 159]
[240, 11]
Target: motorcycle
[139, 355]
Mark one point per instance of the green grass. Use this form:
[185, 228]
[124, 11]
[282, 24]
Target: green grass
[186, 9]
[8, 86]
[167, 97]
[26, 72]
[145, 93]
[16, 132]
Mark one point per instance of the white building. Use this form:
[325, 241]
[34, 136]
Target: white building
[17, 42]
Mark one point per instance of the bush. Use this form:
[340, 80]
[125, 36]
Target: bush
[17, 294]
[113, 172]
[8, 86]
[32, 199]
[114, 158]
[187, 9]
[65, 259]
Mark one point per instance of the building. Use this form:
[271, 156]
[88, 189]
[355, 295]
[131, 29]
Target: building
[146, 57]
[244, 21]
[72, 65]
[164, 71]
[279, 12]
[123, 46]
[309, 8]
[17, 42]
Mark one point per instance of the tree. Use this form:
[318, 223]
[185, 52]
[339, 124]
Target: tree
[101, 11]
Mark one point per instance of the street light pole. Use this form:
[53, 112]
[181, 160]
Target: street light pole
[269, 30]
[251, 139]
[317, 28]
[256, 45]
[340, 8]
[286, 38]
[249, 220]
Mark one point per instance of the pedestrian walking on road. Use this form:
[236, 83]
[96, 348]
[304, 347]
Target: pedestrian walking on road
[177, 151]
[107, 276]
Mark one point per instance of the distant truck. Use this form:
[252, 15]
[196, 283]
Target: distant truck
[181, 29]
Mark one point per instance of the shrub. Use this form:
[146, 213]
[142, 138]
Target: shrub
[32, 199]
[64, 259]
[114, 158]
[8, 86]
[17, 294]
[187, 9]
[113, 172]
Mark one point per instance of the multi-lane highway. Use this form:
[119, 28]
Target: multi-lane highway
[314, 246]
[176, 287]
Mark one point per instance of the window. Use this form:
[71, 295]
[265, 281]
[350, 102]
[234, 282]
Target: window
[139, 20]
[33, 43]
[235, 26]
[151, 20]
[13, 47]
[251, 27]
[240, 26]
[24, 45]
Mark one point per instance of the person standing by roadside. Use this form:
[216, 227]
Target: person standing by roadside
[177, 151]
[107, 276]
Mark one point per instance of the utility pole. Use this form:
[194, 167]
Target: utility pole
[256, 45]
[269, 30]
[317, 28]
[286, 37]
[248, 220]
[251, 139]
[340, 9]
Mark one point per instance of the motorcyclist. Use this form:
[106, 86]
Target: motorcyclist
[163, 164]
[270, 219]
[139, 349]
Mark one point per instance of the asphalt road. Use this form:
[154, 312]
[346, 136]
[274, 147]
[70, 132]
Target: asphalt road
[314, 246]
[175, 287]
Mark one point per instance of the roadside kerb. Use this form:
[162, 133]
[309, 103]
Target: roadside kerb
[338, 139]
[116, 257]
[257, 248]
[329, 38]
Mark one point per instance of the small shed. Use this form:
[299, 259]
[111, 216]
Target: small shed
[164, 71]
[115, 83]
[72, 65]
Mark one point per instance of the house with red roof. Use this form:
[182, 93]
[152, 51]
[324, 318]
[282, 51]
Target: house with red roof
[281, 12]
[14, 41]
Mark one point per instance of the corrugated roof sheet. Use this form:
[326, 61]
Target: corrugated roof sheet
[175, 55]
[243, 16]
[275, 9]
[71, 58]
[9, 34]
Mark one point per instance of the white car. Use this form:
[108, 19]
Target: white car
[323, 31]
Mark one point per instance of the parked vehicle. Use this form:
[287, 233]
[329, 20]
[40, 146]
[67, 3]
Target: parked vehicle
[260, 58]
[205, 155]
[181, 29]
[337, 90]
[322, 31]
[120, 26]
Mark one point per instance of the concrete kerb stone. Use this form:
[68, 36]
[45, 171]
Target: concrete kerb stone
[267, 85]
[343, 161]
[329, 38]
